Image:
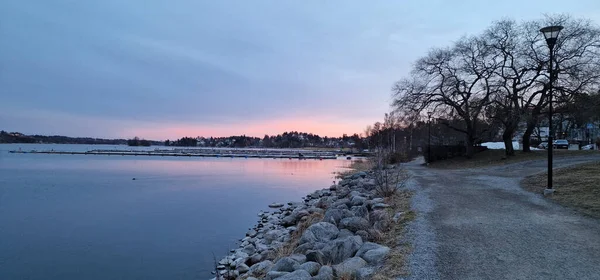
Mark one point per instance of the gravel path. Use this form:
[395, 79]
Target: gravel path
[479, 224]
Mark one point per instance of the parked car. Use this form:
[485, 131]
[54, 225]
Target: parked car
[543, 145]
[588, 147]
[561, 144]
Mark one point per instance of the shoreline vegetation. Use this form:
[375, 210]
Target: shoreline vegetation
[351, 230]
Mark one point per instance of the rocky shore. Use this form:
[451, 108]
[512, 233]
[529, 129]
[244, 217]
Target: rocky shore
[332, 234]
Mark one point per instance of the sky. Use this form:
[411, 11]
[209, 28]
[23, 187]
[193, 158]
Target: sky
[168, 69]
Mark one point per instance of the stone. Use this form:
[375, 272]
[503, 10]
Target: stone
[349, 267]
[360, 211]
[360, 174]
[343, 201]
[365, 273]
[345, 233]
[260, 268]
[358, 200]
[272, 235]
[334, 216]
[325, 273]
[375, 256]
[275, 275]
[276, 205]
[315, 256]
[380, 206]
[249, 249]
[310, 267]
[340, 249]
[323, 231]
[300, 258]
[307, 237]
[354, 223]
[256, 258]
[251, 233]
[296, 275]
[251, 278]
[242, 268]
[286, 264]
[367, 246]
[363, 234]
[304, 248]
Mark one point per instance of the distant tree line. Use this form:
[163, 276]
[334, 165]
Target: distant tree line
[16, 137]
[136, 141]
[291, 139]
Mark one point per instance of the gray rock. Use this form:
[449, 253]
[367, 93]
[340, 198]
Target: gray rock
[365, 273]
[275, 274]
[315, 256]
[308, 237]
[260, 268]
[360, 211]
[360, 174]
[354, 223]
[296, 275]
[343, 201]
[256, 258]
[380, 206]
[276, 205]
[251, 233]
[340, 249]
[323, 231]
[344, 233]
[251, 278]
[367, 246]
[325, 273]
[249, 249]
[286, 264]
[375, 256]
[358, 200]
[242, 268]
[300, 258]
[310, 267]
[364, 235]
[349, 267]
[397, 217]
[334, 216]
[272, 235]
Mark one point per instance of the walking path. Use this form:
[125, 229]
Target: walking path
[479, 224]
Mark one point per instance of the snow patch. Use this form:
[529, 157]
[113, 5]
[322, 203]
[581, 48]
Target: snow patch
[500, 145]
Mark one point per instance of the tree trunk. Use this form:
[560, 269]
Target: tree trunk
[527, 137]
[507, 136]
[470, 148]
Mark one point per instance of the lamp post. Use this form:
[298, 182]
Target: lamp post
[429, 114]
[551, 34]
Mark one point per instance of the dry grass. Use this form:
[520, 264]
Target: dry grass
[288, 248]
[356, 166]
[577, 187]
[497, 157]
[395, 263]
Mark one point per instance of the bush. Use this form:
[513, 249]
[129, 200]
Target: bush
[598, 142]
[441, 152]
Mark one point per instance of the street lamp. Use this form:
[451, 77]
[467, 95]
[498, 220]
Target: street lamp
[551, 34]
[429, 114]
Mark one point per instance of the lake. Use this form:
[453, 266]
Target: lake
[85, 217]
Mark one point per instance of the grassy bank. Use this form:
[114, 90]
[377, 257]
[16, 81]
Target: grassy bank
[497, 157]
[577, 187]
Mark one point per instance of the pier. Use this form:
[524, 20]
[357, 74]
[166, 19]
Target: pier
[191, 153]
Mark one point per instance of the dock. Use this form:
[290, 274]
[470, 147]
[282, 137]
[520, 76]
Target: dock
[184, 154]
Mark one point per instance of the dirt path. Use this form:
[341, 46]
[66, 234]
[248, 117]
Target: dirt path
[479, 224]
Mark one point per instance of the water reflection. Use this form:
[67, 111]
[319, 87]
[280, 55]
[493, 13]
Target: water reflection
[84, 217]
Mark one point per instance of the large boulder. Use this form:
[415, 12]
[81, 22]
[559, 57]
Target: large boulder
[342, 248]
[286, 264]
[325, 273]
[354, 223]
[323, 231]
[372, 253]
[365, 273]
[260, 268]
[349, 268]
[333, 215]
[310, 267]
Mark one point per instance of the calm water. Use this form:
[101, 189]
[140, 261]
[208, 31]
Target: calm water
[83, 217]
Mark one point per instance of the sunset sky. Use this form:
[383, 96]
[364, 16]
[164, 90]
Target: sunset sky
[167, 69]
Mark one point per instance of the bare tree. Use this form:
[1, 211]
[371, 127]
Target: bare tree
[454, 83]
